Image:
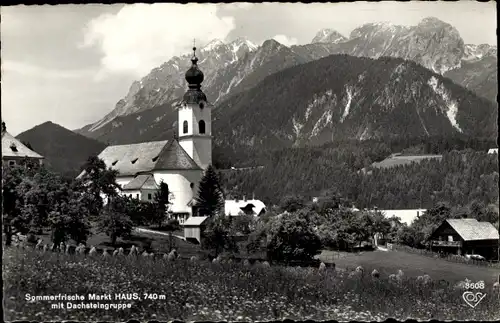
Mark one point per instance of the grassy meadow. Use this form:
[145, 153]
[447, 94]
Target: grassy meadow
[201, 290]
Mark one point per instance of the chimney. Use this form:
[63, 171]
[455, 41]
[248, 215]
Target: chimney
[253, 196]
[244, 198]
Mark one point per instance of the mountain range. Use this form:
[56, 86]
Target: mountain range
[148, 112]
[380, 82]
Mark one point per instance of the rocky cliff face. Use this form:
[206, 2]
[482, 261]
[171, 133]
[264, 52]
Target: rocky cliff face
[239, 66]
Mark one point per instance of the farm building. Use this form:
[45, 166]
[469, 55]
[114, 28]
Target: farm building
[14, 152]
[193, 228]
[240, 207]
[405, 215]
[466, 236]
[493, 151]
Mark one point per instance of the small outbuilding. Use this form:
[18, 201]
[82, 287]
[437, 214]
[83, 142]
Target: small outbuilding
[194, 227]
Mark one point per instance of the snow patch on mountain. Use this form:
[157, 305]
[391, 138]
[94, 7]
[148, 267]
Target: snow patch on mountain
[451, 109]
[348, 104]
[214, 44]
[297, 127]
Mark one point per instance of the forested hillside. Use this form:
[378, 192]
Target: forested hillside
[345, 97]
[460, 177]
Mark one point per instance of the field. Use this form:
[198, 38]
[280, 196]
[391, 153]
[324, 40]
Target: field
[398, 160]
[198, 290]
[389, 262]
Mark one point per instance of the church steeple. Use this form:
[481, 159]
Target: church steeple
[195, 118]
[194, 76]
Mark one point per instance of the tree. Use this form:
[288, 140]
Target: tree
[11, 178]
[292, 203]
[37, 194]
[290, 238]
[98, 179]
[243, 224]
[114, 220]
[68, 219]
[217, 235]
[161, 201]
[210, 195]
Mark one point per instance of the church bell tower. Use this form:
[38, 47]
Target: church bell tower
[195, 118]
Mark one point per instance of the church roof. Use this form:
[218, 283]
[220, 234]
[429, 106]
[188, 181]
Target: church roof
[130, 160]
[143, 181]
[174, 157]
[13, 147]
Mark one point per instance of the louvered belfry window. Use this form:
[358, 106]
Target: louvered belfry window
[201, 126]
[185, 127]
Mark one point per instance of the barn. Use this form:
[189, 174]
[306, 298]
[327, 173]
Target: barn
[466, 236]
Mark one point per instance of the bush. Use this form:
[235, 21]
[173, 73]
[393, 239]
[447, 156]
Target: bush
[291, 238]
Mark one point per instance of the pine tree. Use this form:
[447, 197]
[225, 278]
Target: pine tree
[161, 201]
[210, 195]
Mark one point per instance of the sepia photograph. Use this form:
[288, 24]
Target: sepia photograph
[250, 162]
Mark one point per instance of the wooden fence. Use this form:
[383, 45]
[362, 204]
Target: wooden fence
[447, 257]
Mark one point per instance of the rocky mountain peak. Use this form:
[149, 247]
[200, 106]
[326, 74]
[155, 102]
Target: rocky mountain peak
[433, 22]
[271, 45]
[243, 42]
[328, 36]
[213, 45]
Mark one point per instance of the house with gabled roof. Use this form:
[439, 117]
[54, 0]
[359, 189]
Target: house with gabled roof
[14, 152]
[466, 236]
[179, 162]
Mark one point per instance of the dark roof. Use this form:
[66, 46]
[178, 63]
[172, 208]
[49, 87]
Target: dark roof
[471, 229]
[12, 147]
[174, 157]
[144, 181]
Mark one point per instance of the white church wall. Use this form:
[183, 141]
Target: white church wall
[203, 151]
[179, 184]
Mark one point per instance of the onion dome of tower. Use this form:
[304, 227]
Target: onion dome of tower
[194, 76]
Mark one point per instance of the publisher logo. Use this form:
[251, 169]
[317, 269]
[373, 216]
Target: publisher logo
[472, 299]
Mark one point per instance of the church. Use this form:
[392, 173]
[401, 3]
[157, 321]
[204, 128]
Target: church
[179, 162]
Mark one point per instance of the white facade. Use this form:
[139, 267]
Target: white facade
[183, 185]
[405, 215]
[235, 207]
[195, 140]
[493, 151]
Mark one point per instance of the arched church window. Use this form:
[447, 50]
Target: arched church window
[191, 185]
[201, 126]
[185, 127]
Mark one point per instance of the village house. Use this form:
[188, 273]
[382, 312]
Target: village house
[466, 236]
[179, 162]
[493, 151]
[241, 207]
[14, 152]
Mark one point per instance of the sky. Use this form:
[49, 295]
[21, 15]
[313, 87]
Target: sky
[70, 64]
